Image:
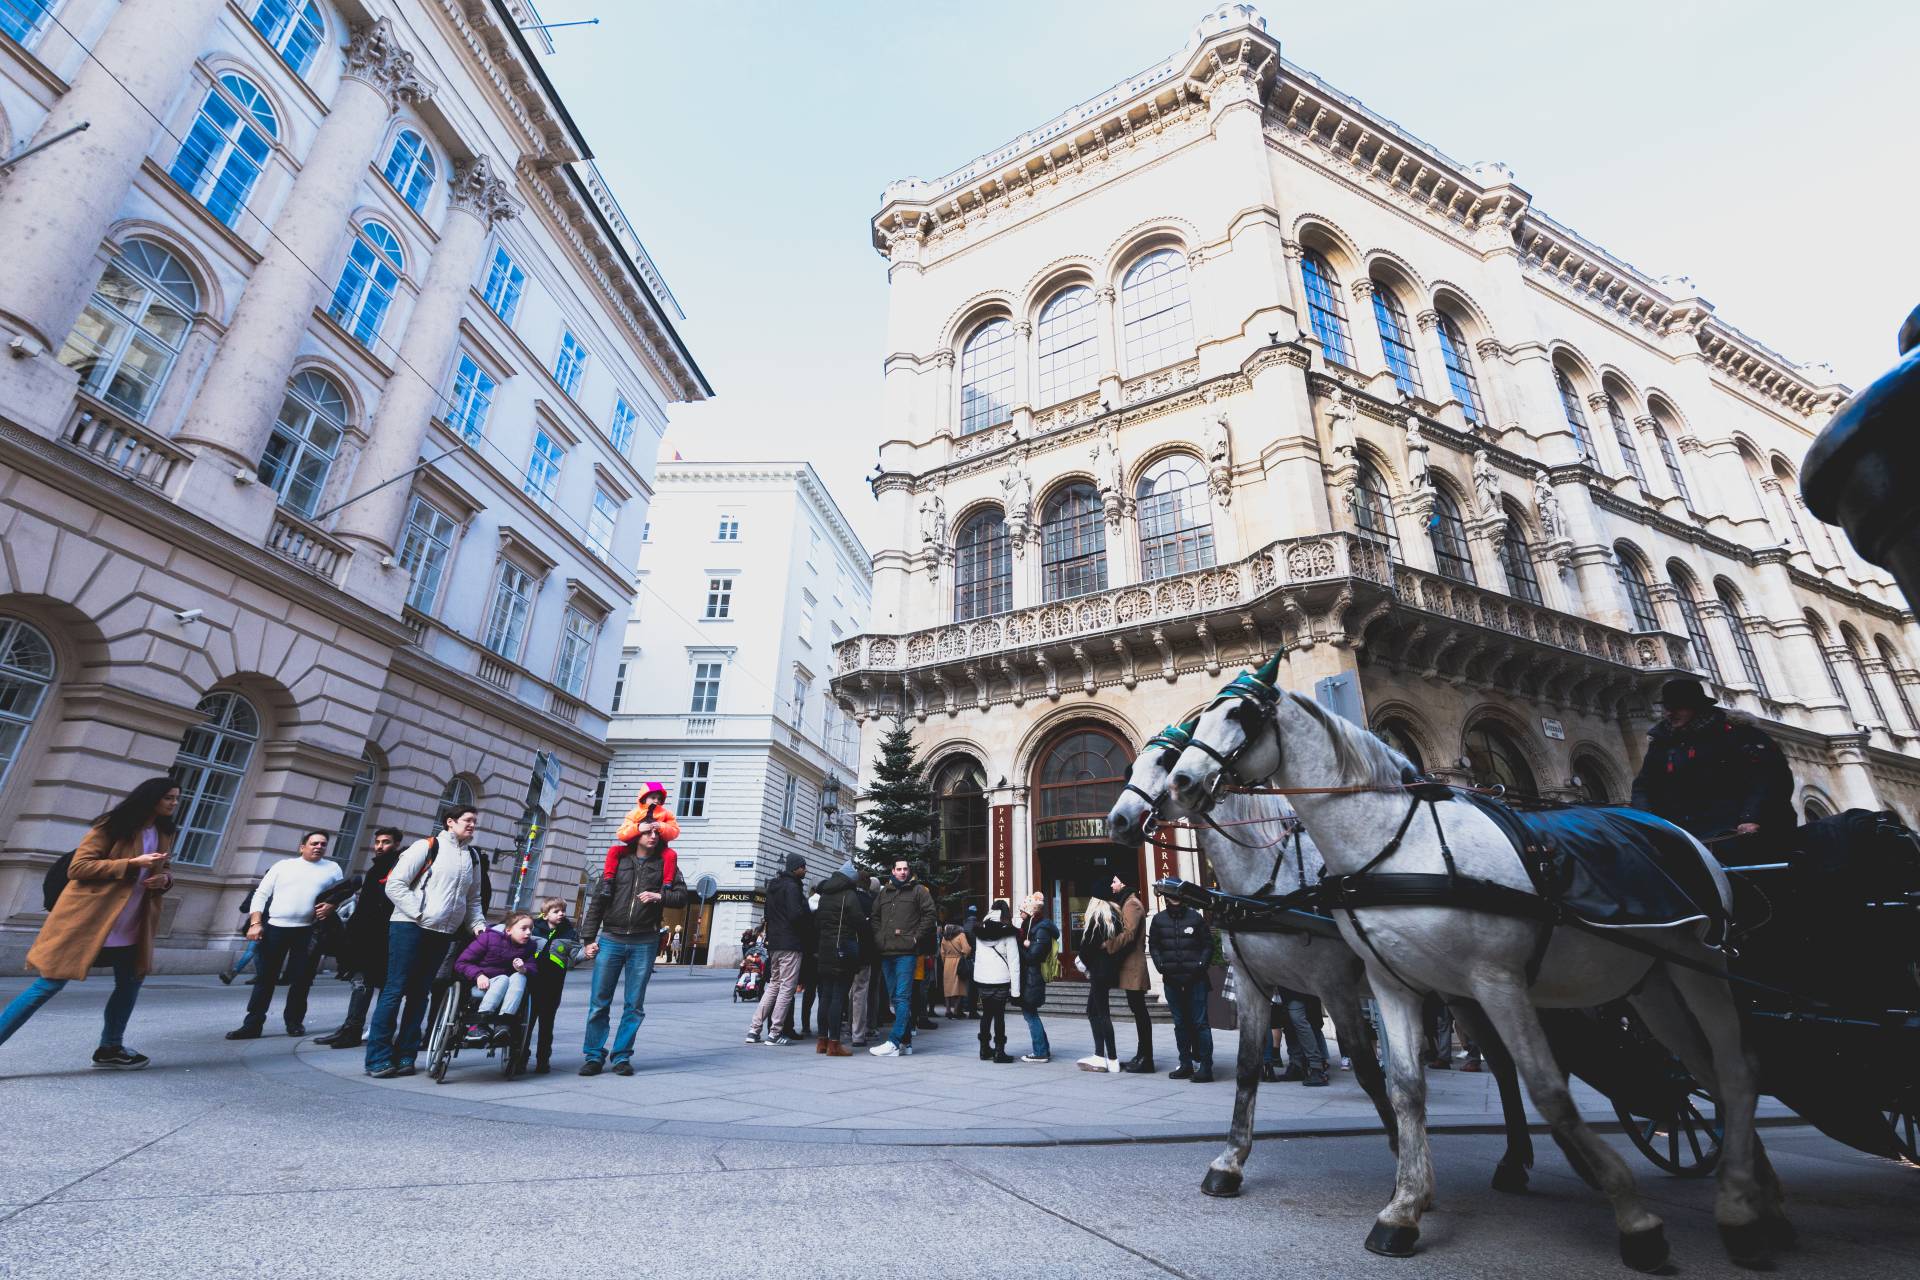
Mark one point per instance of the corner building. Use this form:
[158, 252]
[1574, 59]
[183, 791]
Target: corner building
[1218, 363]
[334, 381]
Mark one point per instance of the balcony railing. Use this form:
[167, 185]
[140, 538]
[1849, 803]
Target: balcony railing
[135, 451]
[701, 726]
[494, 670]
[564, 705]
[306, 544]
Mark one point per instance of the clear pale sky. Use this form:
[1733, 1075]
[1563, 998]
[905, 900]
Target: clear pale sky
[1756, 146]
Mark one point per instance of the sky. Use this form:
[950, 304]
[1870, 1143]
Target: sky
[1758, 147]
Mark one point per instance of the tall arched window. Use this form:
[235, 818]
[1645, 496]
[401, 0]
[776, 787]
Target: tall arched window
[1675, 472]
[1516, 557]
[1592, 780]
[1373, 508]
[1156, 315]
[1894, 667]
[1068, 341]
[305, 438]
[1396, 336]
[354, 815]
[1857, 651]
[211, 765]
[367, 282]
[1633, 585]
[26, 673]
[1815, 809]
[1783, 488]
[1176, 518]
[1325, 311]
[1623, 435]
[986, 376]
[1398, 734]
[293, 27]
[410, 169]
[983, 568]
[1824, 643]
[458, 791]
[1448, 534]
[1576, 414]
[1460, 375]
[1073, 543]
[125, 342]
[1742, 636]
[961, 826]
[1081, 778]
[1497, 761]
[227, 147]
[1687, 596]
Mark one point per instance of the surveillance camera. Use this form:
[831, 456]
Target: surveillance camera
[184, 616]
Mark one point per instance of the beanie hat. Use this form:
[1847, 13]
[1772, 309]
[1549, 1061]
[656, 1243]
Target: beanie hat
[850, 871]
[653, 788]
[796, 862]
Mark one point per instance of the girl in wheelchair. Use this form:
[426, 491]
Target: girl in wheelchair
[497, 964]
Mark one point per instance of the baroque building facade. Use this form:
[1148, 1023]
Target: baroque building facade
[333, 386]
[1218, 363]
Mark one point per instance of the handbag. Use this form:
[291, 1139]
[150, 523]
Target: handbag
[845, 949]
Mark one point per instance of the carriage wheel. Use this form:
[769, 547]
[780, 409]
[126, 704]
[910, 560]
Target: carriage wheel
[1904, 1121]
[1685, 1143]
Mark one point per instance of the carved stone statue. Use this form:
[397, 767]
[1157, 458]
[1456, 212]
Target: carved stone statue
[1016, 487]
[1553, 521]
[1417, 447]
[1340, 416]
[933, 522]
[1220, 459]
[1486, 484]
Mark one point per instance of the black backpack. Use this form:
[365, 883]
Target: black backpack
[56, 880]
[480, 869]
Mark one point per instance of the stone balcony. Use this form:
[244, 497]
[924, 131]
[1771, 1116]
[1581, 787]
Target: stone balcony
[1333, 588]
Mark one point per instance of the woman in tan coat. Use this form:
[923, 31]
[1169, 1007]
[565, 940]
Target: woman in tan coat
[1129, 950]
[954, 948]
[106, 916]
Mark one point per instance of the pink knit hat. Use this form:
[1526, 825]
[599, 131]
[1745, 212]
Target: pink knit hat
[652, 787]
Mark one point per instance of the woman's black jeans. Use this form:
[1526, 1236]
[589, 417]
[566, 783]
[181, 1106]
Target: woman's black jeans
[993, 1015]
[1100, 1018]
[1142, 1025]
[833, 1003]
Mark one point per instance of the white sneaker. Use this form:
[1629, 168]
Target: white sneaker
[885, 1049]
[1092, 1064]
[1113, 1065]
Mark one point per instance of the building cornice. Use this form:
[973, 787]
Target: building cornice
[684, 475]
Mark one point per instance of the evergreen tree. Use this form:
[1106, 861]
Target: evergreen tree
[897, 809]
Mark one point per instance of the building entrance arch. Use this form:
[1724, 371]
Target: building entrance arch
[1076, 779]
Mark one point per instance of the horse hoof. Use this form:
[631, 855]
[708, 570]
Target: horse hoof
[1220, 1182]
[1392, 1242]
[1780, 1234]
[1511, 1178]
[1747, 1244]
[1644, 1250]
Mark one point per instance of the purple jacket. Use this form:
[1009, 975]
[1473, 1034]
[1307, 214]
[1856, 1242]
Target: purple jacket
[493, 954]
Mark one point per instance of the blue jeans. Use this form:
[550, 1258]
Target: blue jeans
[413, 957]
[614, 959]
[898, 971]
[1041, 1049]
[1192, 1034]
[126, 990]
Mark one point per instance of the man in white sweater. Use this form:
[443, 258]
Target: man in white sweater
[436, 893]
[283, 912]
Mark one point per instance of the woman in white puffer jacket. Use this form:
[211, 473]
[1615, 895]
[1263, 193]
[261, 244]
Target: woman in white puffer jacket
[996, 974]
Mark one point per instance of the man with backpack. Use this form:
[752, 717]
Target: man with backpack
[1039, 965]
[437, 888]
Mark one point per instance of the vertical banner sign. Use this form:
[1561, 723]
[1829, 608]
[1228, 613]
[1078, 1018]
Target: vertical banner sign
[1000, 853]
[1166, 858]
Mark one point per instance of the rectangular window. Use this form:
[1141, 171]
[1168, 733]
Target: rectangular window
[646, 531]
[693, 789]
[472, 399]
[619, 687]
[504, 284]
[789, 802]
[21, 19]
[729, 529]
[819, 824]
[512, 605]
[600, 788]
[576, 652]
[571, 363]
[719, 598]
[600, 521]
[706, 688]
[543, 469]
[425, 549]
[620, 430]
[801, 688]
[806, 618]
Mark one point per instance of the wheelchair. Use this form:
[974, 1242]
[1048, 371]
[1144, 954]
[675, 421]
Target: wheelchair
[453, 1009]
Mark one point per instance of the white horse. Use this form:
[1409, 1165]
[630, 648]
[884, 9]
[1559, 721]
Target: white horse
[1255, 732]
[1255, 847]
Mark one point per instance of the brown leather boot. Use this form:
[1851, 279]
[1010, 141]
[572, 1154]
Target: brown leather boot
[837, 1050]
[820, 1045]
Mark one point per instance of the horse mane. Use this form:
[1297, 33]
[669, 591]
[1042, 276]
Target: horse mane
[1361, 758]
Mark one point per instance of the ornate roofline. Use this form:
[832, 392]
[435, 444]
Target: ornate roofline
[804, 478]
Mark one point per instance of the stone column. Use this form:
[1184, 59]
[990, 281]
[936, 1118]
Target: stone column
[1433, 361]
[241, 395]
[372, 523]
[1024, 388]
[1369, 353]
[903, 394]
[1110, 362]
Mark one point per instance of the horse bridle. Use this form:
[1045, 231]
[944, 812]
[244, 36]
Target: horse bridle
[1265, 698]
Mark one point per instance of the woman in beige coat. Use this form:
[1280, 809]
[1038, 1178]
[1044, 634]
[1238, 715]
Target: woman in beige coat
[106, 916]
[954, 948]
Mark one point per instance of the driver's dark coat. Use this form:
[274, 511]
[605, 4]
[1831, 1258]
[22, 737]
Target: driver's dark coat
[1714, 775]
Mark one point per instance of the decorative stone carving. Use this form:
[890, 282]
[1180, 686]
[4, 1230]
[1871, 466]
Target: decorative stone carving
[476, 190]
[1220, 459]
[376, 58]
[933, 521]
[1486, 486]
[1016, 489]
[1110, 475]
[1418, 477]
[1553, 521]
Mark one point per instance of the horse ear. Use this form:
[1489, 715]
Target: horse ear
[1189, 726]
[1269, 672]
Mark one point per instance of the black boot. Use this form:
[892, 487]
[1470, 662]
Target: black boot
[1139, 1066]
[1203, 1073]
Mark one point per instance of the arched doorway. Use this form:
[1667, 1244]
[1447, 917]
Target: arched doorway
[960, 832]
[1498, 761]
[1076, 780]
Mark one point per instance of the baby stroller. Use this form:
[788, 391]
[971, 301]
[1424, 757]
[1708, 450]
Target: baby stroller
[752, 981]
[455, 1009]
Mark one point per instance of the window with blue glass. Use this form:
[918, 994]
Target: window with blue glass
[472, 398]
[505, 281]
[1516, 558]
[1460, 375]
[293, 27]
[1448, 534]
[227, 147]
[1675, 472]
[305, 437]
[1073, 543]
[1633, 585]
[372, 273]
[22, 19]
[1396, 336]
[601, 521]
[620, 430]
[571, 363]
[1324, 308]
[1373, 509]
[543, 469]
[1576, 414]
[410, 169]
[1623, 436]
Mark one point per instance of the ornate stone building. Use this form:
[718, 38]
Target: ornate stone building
[1220, 362]
[333, 385]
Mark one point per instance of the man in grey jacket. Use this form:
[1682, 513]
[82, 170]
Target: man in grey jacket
[435, 888]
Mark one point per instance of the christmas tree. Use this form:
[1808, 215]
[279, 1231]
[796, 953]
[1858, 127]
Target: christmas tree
[897, 809]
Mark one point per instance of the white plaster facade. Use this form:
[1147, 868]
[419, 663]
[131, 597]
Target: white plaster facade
[1118, 299]
[749, 576]
[243, 265]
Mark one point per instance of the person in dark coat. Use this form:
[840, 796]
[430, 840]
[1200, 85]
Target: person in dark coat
[1041, 936]
[1181, 946]
[626, 909]
[844, 940]
[786, 925]
[363, 940]
[556, 942]
[1713, 775]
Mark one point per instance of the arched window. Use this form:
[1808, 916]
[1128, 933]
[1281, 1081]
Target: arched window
[1857, 651]
[1675, 472]
[354, 816]
[1325, 311]
[1176, 518]
[960, 827]
[1687, 596]
[1460, 375]
[986, 376]
[1398, 734]
[305, 437]
[410, 169]
[1396, 335]
[1156, 315]
[983, 568]
[1069, 345]
[227, 147]
[367, 282]
[1073, 543]
[294, 29]
[1576, 414]
[1894, 667]
[1592, 780]
[1633, 585]
[1824, 643]
[1080, 779]
[1497, 761]
[125, 342]
[1783, 487]
[1516, 557]
[458, 791]
[1623, 435]
[212, 763]
[1448, 534]
[26, 673]
[1742, 636]
[1816, 809]
[1373, 508]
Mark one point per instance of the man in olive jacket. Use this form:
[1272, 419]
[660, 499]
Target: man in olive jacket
[626, 908]
[903, 925]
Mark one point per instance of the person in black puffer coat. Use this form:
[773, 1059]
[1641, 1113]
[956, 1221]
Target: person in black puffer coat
[786, 925]
[362, 949]
[1713, 775]
[845, 940]
[1181, 945]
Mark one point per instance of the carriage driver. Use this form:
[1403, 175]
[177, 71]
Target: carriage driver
[1713, 775]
